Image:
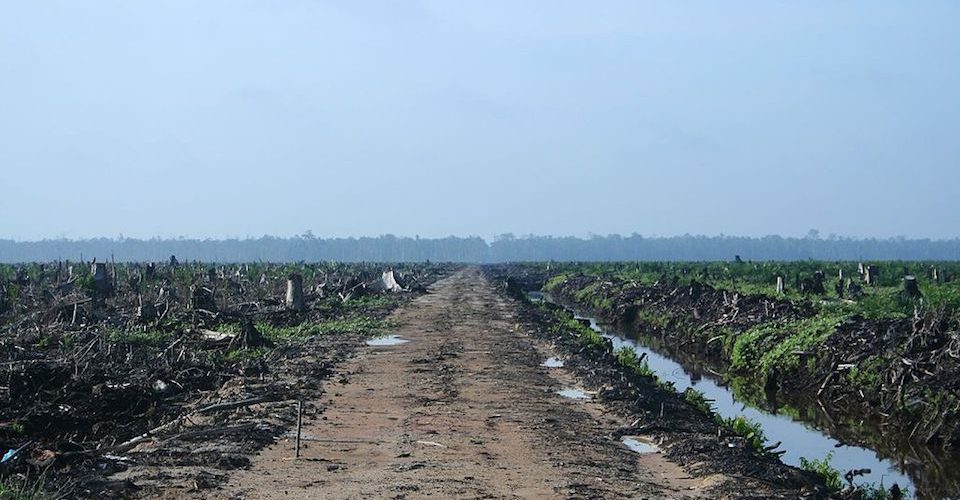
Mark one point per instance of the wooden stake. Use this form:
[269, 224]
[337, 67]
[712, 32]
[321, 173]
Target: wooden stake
[299, 424]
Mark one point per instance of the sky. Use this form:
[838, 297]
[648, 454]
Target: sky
[235, 118]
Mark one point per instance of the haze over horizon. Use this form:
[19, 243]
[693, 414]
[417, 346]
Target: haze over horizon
[244, 118]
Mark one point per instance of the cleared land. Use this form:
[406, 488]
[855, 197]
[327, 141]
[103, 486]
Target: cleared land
[463, 410]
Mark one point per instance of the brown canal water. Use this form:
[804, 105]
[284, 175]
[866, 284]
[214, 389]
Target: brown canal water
[804, 429]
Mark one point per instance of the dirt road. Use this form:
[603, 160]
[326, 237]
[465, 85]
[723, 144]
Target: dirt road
[462, 410]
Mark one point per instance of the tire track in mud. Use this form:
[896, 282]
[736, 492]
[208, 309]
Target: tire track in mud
[463, 410]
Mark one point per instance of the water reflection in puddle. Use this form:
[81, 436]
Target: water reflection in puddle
[387, 340]
[552, 363]
[639, 445]
[573, 393]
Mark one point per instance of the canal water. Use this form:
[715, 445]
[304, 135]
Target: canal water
[798, 438]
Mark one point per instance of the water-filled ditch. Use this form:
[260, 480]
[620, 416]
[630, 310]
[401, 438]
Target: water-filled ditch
[802, 433]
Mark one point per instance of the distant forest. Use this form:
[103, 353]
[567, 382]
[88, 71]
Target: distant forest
[504, 248]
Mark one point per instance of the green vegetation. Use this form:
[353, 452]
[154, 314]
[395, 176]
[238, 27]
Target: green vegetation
[698, 400]
[22, 488]
[241, 355]
[18, 428]
[786, 340]
[368, 302]
[824, 469]
[866, 374]
[881, 300]
[833, 479]
[627, 358]
[149, 337]
[746, 428]
[359, 325]
[765, 344]
[776, 345]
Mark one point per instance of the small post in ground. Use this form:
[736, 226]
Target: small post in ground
[299, 424]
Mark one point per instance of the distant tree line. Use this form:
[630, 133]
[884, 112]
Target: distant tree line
[504, 248]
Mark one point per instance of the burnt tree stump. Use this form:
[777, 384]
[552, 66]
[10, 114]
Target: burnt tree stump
[101, 282]
[910, 286]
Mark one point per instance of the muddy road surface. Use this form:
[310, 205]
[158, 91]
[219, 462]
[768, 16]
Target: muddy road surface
[464, 409]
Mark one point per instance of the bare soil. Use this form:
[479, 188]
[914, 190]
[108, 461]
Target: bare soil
[465, 409]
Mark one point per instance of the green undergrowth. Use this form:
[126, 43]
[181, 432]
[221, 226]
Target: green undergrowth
[149, 337]
[746, 428]
[822, 467]
[627, 358]
[661, 320]
[21, 488]
[866, 374]
[775, 345]
[698, 400]
[369, 302]
[242, 355]
[358, 325]
[833, 479]
[740, 425]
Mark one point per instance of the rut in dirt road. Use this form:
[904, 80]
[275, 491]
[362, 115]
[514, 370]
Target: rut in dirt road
[464, 409]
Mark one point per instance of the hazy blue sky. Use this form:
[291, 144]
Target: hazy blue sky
[236, 118]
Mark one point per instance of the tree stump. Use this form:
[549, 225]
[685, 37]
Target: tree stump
[202, 297]
[872, 276]
[910, 286]
[295, 292]
[146, 311]
[249, 338]
[101, 282]
[780, 287]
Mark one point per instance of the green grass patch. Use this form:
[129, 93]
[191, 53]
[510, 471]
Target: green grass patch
[241, 355]
[368, 302]
[358, 325]
[149, 337]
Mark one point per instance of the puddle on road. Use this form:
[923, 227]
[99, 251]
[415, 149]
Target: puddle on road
[639, 445]
[573, 393]
[552, 363]
[387, 340]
